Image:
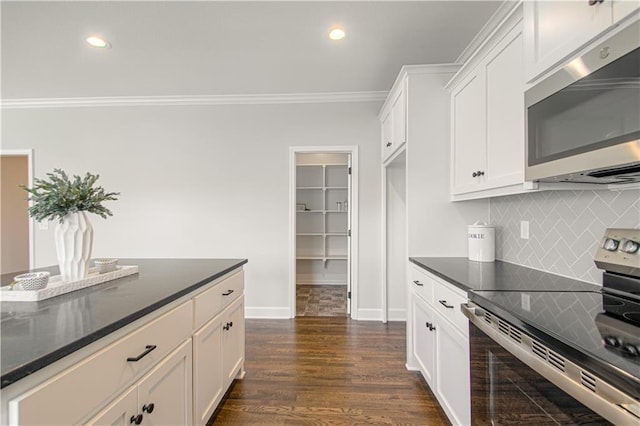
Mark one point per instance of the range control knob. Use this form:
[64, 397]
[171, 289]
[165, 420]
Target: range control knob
[630, 350]
[612, 341]
[630, 246]
[610, 244]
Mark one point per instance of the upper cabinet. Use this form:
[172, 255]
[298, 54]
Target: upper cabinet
[487, 109]
[394, 121]
[554, 30]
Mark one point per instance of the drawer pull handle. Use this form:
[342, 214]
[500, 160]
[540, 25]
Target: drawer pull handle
[228, 292]
[148, 349]
[389, 144]
[148, 408]
[136, 419]
[444, 303]
[226, 327]
[418, 283]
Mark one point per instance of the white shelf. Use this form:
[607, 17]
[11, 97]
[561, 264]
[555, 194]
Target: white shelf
[322, 238]
[322, 234]
[325, 258]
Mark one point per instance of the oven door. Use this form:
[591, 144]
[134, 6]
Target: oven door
[505, 391]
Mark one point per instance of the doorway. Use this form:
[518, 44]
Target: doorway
[16, 229]
[323, 205]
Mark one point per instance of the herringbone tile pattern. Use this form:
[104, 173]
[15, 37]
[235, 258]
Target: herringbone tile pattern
[565, 228]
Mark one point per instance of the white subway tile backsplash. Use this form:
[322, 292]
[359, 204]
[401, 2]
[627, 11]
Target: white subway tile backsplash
[565, 228]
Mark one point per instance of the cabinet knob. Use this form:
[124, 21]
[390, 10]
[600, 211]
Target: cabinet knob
[431, 327]
[427, 324]
[480, 173]
[226, 327]
[136, 419]
[230, 323]
[474, 174]
[148, 408]
[389, 144]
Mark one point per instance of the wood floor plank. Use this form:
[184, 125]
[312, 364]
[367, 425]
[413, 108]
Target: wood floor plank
[327, 371]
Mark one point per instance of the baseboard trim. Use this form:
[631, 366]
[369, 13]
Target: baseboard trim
[397, 315]
[266, 313]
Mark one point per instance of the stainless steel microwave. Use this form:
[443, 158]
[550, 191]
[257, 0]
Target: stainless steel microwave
[583, 121]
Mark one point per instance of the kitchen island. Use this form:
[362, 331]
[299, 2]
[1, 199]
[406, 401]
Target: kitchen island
[85, 348]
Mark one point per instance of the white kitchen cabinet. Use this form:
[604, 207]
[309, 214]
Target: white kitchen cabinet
[424, 339]
[556, 30]
[453, 385]
[208, 382]
[162, 397]
[218, 357]
[393, 118]
[487, 107]
[232, 341]
[469, 141]
[440, 345]
[157, 360]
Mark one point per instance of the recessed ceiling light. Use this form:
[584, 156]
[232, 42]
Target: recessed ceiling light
[97, 41]
[336, 33]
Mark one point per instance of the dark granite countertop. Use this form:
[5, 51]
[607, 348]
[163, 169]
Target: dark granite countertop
[36, 334]
[497, 276]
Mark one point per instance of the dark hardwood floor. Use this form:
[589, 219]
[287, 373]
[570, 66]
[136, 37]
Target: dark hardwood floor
[327, 371]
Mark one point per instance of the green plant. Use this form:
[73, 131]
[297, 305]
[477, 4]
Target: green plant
[59, 196]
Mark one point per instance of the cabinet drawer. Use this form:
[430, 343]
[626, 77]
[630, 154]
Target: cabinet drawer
[421, 283]
[209, 303]
[90, 383]
[447, 303]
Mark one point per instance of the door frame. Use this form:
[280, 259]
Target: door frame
[29, 154]
[353, 212]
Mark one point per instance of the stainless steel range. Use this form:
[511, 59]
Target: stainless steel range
[561, 356]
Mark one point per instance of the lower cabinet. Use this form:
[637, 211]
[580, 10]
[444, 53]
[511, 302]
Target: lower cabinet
[163, 396]
[452, 372]
[171, 369]
[218, 356]
[440, 343]
[424, 339]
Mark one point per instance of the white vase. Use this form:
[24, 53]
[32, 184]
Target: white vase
[74, 240]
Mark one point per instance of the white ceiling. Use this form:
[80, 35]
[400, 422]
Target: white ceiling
[222, 48]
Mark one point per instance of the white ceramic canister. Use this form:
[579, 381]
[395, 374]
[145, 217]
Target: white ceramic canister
[482, 242]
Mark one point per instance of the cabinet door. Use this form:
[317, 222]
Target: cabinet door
[233, 341]
[505, 112]
[168, 388]
[119, 412]
[207, 370]
[469, 137]
[556, 29]
[424, 349]
[387, 132]
[399, 117]
[452, 372]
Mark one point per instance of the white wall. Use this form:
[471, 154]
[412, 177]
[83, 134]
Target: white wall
[204, 181]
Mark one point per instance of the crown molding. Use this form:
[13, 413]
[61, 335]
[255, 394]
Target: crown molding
[254, 99]
[503, 11]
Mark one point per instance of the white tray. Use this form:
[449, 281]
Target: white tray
[57, 287]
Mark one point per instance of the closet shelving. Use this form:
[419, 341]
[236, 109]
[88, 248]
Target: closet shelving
[322, 194]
